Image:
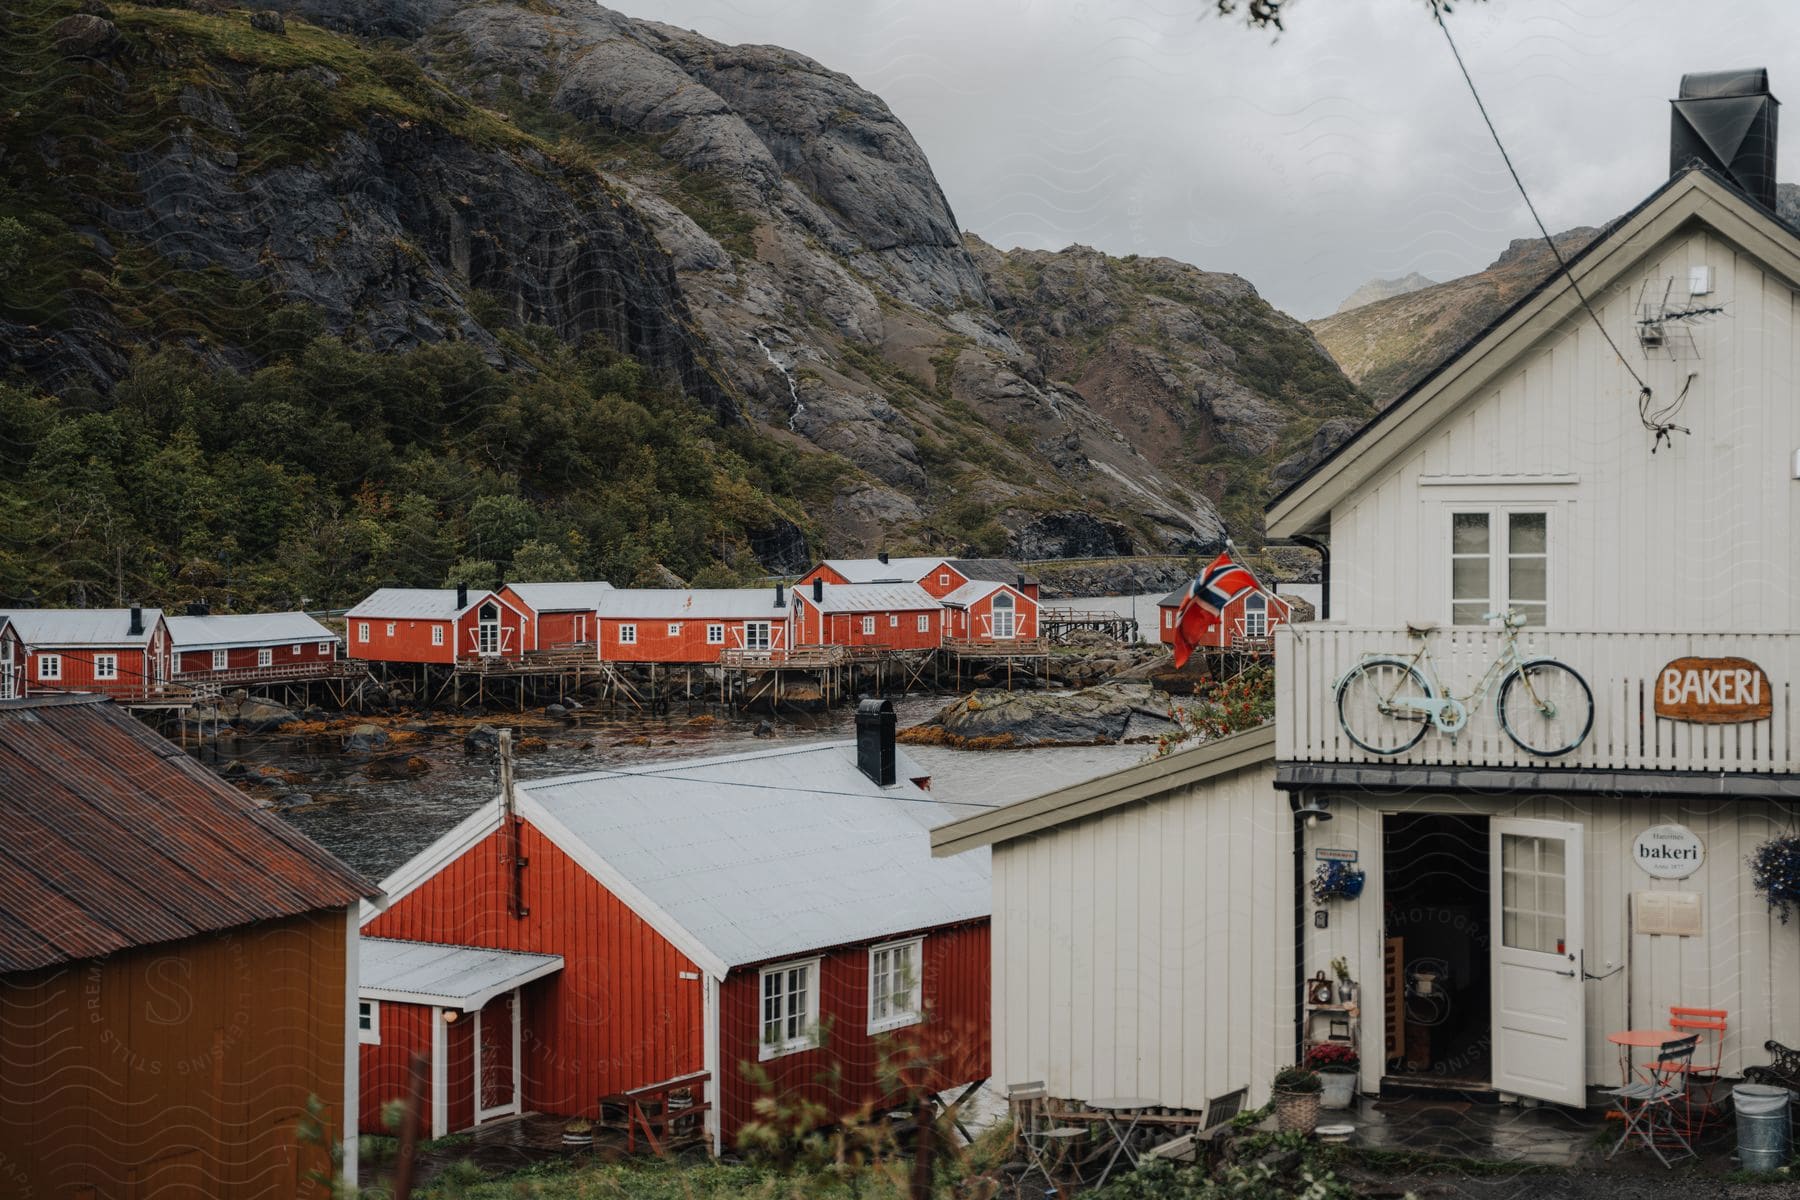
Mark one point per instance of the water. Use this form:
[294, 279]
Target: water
[1142, 608]
[793, 392]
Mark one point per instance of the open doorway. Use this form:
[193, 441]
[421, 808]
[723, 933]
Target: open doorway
[1439, 995]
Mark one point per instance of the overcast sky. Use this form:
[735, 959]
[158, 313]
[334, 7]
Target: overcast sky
[1346, 149]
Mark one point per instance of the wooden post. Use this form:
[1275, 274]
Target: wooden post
[404, 1160]
[921, 1172]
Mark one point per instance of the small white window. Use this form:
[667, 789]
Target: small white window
[894, 985]
[924, 623]
[674, 628]
[368, 1022]
[221, 659]
[628, 635]
[756, 635]
[790, 1008]
[1499, 560]
[106, 666]
[715, 635]
[362, 631]
[1699, 280]
[324, 647]
[49, 666]
[390, 629]
[437, 635]
[943, 579]
[868, 626]
[893, 620]
[294, 649]
[265, 657]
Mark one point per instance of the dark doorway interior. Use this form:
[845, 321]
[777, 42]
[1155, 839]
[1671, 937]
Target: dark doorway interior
[1436, 892]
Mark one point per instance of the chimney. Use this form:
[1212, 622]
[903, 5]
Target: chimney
[199, 608]
[462, 596]
[780, 596]
[818, 591]
[1725, 120]
[137, 622]
[1021, 581]
[875, 741]
[881, 557]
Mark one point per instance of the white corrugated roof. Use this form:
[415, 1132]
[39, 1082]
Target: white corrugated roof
[970, 592]
[766, 855]
[421, 604]
[872, 597]
[81, 626]
[873, 570]
[674, 604]
[463, 977]
[560, 597]
[222, 630]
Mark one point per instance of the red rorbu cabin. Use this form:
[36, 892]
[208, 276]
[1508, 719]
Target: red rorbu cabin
[683, 625]
[438, 625]
[1248, 622]
[125, 653]
[985, 611]
[274, 645]
[564, 611]
[12, 661]
[677, 923]
[889, 616]
[939, 576]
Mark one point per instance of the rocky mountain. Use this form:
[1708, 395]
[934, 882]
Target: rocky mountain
[760, 233]
[1384, 289]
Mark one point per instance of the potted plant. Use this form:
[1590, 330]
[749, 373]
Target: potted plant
[1346, 986]
[1296, 1091]
[578, 1133]
[1775, 872]
[1336, 1064]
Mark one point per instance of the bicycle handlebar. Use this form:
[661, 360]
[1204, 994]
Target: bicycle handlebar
[1511, 617]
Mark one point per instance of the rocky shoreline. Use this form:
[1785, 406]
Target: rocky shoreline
[1095, 716]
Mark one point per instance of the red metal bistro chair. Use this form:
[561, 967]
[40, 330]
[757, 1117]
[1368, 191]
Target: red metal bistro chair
[1702, 1076]
[1649, 1106]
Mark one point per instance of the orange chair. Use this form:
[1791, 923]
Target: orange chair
[1702, 1076]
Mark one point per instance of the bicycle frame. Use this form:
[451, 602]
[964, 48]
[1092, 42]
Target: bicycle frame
[1444, 709]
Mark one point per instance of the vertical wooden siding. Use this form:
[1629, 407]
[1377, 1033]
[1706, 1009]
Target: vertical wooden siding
[844, 1074]
[386, 1068]
[655, 644]
[183, 1067]
[136, 677]
[617, 1016]
[240, 658]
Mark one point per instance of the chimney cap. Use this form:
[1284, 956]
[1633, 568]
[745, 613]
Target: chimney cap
[881, 557]
[1721, 85]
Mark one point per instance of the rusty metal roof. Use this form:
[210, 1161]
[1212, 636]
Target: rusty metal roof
[114, 838]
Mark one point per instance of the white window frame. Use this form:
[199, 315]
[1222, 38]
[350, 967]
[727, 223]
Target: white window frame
[943, 579]
[765, 642]
[324, 647]
[221, 660]
[628, 635]
[715, 635]
[437, 635]
[914, 1009]
[370, 1010]
[868, 626]
[1499, 556]
[265, 656]
[674, 628]
[1260, 627]
[893, 620]
[106, 666]
[362, 631]
[808, 1038]
[391, 625]
[49, 666]
[924, 622]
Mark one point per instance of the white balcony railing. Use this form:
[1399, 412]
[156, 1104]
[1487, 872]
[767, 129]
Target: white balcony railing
[1621, 668]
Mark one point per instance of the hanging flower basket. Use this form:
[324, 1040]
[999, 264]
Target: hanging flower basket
[1336, 881]
[1775, 872]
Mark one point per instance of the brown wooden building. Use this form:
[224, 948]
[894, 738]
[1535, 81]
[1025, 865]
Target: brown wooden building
[177, 971]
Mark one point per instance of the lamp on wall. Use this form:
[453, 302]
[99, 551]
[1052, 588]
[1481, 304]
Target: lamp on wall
[1315, 809]
[450, 1015]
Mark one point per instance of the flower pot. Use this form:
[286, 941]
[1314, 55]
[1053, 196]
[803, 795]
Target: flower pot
[1296, 1112]
[1339, 1089]
[578, 1138]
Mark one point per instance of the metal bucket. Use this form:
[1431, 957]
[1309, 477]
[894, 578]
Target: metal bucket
[1762, 1126]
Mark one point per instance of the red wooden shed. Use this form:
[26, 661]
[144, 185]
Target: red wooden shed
[938, 575]
[691, 625]
[982, 610]
[892, 616]
[565, 611]
[777, 910]
[1248, 622]
[438, 625]
[125, 653]
[283, 645]
[177, 971]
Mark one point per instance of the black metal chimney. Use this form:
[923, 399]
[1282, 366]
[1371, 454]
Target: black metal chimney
[137, 622]
[1725, 120]
[818, 591]
[780, 596]
[462, 596]
[875, 741]
[199, 608]
[881, 557]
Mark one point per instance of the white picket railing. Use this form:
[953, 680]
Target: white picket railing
[1621, 668]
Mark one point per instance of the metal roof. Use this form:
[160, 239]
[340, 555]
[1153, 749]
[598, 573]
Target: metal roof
[990, 568]
[421, 604]
[461, 977]
[81, 626]
[974, 590]
[894, 570]
[754, 857]
[223, 630]
[678, 603]
[871, 597]
[560, 597]
[115, 838]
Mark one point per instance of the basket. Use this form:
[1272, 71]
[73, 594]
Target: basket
[1296, 1112]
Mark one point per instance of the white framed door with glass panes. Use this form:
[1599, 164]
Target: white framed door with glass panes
[1537, 938]
[1500, 557]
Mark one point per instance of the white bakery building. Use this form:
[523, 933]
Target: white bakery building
[1155, 932]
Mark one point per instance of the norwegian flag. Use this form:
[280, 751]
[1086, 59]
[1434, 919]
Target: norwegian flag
[1203, 607]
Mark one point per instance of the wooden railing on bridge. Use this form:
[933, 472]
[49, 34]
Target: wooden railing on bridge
[798, 658]
[214, 682]
[1036, 647]
[666, 1113]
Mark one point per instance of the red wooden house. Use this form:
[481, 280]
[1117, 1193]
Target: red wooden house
[564, 611]
[177, 971]
[892, 616]
[12, 660]
[1248, 622]
[937, 575]
[683, 625]
[288, 644]
[438, 625]
[982, 610]
[778, 910]
[121, 652]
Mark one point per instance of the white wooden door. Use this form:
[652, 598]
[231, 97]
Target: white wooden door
[487, 630]
[1536, 936]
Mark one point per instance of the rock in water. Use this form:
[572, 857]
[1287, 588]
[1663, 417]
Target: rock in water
[555, 710]
[395, 766]
[366, 739]
[483, 739]
[260, 716]
[1095, 716]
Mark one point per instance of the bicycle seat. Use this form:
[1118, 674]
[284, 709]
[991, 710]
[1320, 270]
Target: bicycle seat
[1420, 628]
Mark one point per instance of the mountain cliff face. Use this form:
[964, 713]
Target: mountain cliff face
[761, 234]
[1384, 289]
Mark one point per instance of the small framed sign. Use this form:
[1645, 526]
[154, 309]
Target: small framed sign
[1327, 854]
[1668, 851]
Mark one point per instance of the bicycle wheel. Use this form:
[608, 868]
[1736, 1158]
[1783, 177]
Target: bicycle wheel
[1546, 707]
[1366, 709]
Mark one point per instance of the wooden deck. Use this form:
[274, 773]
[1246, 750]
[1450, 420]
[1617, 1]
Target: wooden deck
[998, 648]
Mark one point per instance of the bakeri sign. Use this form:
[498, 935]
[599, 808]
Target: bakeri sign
[1713, 691]
[1668, 851]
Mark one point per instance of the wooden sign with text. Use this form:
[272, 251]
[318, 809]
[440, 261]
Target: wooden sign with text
[1713, 691]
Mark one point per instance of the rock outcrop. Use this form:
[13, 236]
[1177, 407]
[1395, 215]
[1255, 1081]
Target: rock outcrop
[1096, 716]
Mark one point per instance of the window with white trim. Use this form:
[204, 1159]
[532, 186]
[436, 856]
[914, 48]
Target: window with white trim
[1256, 615]
[756, 635]
[106, 666]
[893, 620]
[294, 649]
[924, 623]
[437, 635]
[868, 626]
[715, 635]
[1499, 560]
[362, 631]
[324, 647]
[221, 659]
[943, 579]
[674, 628]
[368, 1022]
[790, 1008]
[628, 635]
[265, 657]
[894, 992]
[390, 628]
[49, 666]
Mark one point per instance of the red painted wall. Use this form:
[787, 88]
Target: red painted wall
[896, 630]
[976, 621]
[554, 628]
[243, 658]
[405, 1031]
[617, 1016]
[411, 639]
[936, 583]
[1231, 627]
[655, 644]
[820, 572]
[955, 1037]
[137, 675]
